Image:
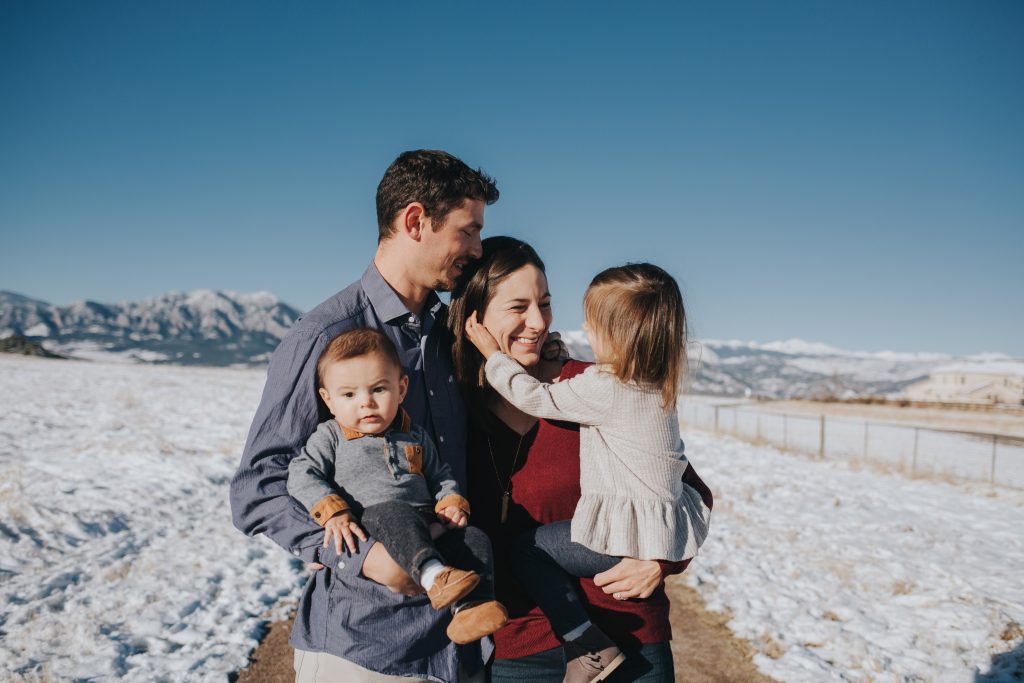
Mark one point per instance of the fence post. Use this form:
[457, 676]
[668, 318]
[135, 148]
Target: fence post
[992, 477]
[865, 440]
[716, 418]
[913, 463]
[759, 425]
[785, 433]
[821, 446]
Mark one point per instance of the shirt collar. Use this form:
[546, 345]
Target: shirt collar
[402, 423]
[385, 301]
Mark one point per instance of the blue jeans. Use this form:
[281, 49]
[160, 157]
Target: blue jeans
[544, 559]
[650, 664]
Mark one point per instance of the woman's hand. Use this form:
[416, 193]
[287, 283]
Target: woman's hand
[482, 339]
[630, 578]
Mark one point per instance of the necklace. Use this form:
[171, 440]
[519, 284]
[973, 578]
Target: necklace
[506, 496]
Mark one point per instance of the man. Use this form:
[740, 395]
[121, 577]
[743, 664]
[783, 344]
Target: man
[361, 617]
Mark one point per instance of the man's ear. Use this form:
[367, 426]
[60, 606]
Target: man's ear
[413, 220]
[403, 387]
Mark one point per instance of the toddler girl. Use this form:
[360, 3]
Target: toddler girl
[634, 502]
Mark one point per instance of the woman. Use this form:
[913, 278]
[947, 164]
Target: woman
[524, 472]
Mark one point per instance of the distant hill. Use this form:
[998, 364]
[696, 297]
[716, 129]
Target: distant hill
[227, 328]
[196, 328]
[22, 346]
[795, 368]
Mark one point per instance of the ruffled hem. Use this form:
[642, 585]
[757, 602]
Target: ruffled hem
[643, 529]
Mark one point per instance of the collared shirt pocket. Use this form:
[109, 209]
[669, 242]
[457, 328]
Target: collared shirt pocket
[414, 454]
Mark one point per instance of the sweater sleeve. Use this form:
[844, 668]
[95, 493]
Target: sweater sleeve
[310, 472]
[583, 398]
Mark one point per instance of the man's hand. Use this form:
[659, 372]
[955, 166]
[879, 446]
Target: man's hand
[453, 517]
[343, 526]
[481, 337]
[630, 578]
[380, 568]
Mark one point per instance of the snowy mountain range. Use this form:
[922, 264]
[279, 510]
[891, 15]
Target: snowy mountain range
[796, 369]
[227, 328]
[199, 328]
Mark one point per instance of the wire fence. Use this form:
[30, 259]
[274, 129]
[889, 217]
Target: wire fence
[916, 451]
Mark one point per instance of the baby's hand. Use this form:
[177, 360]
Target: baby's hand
[453, 517]
[481, 337]
[341, 526]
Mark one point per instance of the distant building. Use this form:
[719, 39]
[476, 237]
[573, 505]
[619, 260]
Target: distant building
[993, 383]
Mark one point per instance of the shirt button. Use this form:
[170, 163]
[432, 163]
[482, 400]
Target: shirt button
[341, 565]
[451, 378]
[295, 553]
[430, 391]
[441, 439]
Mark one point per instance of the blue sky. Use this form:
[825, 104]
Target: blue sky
[850, 173]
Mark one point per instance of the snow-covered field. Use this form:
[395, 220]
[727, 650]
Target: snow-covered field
[118, 560]
[838, 573]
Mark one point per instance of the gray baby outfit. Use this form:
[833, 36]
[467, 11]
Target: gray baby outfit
[399, 464]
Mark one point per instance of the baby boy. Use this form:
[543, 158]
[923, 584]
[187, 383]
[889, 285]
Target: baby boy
[371, 468]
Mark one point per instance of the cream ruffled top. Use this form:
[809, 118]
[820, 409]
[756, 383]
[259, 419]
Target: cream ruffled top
[634, 502]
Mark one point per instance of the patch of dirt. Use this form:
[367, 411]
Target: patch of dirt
[271, 661]
[703, 647]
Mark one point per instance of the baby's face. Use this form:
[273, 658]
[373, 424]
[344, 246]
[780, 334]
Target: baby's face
[365, 392]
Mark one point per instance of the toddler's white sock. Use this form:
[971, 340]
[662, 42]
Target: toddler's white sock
[578, 631]
[429, 572]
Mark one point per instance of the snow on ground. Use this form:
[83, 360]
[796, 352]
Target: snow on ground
[837, 573]
[118, 559]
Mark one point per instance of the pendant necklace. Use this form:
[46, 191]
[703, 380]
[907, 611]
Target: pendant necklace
[506, 496]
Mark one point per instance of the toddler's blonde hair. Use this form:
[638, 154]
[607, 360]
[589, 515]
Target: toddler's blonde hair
[637, 312]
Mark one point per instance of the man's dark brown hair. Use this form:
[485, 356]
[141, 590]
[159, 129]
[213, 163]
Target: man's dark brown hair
[435, 179]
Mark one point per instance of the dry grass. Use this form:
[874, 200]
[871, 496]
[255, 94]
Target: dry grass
[1010, 422]
[1013, 631]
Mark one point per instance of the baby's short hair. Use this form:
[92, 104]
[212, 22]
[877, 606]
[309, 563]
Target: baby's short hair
[355, 343]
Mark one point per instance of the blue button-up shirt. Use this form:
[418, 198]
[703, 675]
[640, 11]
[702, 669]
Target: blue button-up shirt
[341, 612]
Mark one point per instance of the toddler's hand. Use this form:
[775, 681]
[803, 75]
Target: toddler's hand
[453, 517]
[481, 337]
[343, 526]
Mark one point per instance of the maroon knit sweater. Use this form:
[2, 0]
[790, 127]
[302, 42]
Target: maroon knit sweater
[545, 488]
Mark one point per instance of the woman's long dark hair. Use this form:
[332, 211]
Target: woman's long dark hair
[473, 292]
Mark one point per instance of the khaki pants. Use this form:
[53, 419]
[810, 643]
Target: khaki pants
[320, 667]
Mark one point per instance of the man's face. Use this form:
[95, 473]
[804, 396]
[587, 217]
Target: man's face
[446, 252]
[365, 392]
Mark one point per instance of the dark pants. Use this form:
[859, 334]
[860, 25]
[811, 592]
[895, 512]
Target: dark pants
[404, 531]
[543, 561]
[650, 663]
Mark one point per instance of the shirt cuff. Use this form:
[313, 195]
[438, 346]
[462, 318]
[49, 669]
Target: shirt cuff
[668, 567]
[327, 508]
[348, 564]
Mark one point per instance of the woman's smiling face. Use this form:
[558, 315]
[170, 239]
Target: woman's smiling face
[519, 314]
